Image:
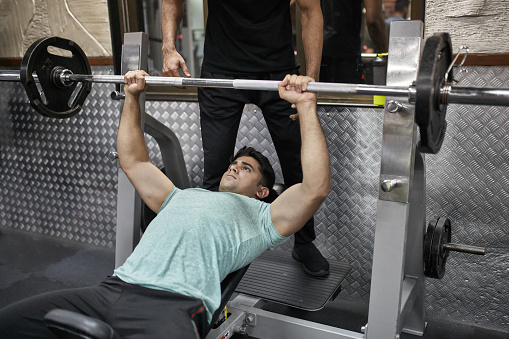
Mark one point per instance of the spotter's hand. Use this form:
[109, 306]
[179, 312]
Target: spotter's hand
[293, 89]
[135, 82]
[172, 62]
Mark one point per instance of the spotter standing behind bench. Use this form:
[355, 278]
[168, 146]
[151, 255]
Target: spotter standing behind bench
[170, 285]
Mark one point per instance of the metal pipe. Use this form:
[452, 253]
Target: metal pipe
[465, 248]
[479, 96]
[10, 76]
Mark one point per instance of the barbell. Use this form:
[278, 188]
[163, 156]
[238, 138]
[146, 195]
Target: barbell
[57, 85]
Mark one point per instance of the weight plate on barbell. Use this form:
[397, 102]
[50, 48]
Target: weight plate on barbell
[429, 110]
[46, 96]
[438, 233]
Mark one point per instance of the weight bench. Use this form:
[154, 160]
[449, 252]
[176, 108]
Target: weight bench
[274, 276]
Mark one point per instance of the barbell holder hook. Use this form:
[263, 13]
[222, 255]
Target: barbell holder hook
[467, 50]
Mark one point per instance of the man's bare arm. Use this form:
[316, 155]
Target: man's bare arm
[171, 16]
[150, 183]
[376, 25]
[297, 204]
[312, 35]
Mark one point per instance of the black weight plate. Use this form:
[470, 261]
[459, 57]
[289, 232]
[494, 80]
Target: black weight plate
[428, 241]
[438, 253]
[429, 112]
[55, 101]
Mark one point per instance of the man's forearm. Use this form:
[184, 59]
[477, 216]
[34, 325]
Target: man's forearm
[378, 35]
[131, 146]
[312, 40]
[171, 16]
[314, 153]
[376, 25]
[291, 210]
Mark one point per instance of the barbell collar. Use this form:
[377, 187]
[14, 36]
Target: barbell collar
[465, 248]
[117, 95]
[412, 93]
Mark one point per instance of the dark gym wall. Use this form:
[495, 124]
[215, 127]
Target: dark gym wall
[56, 179]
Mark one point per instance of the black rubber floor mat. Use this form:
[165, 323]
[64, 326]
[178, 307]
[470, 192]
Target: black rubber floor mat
[276, 276]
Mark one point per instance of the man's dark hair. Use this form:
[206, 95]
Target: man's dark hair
[268, 176]
[401, 5]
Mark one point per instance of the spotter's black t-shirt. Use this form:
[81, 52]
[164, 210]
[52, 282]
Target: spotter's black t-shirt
[342, 21]
[248, 36]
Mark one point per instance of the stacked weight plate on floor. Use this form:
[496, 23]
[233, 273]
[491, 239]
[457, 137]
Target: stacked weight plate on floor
[435, 255]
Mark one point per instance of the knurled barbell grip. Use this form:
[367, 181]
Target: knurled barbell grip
[325, 87]
[465, 248]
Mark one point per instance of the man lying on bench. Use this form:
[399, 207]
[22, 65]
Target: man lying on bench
[170, 285]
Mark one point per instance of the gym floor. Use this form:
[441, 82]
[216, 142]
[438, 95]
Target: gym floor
[32, 264]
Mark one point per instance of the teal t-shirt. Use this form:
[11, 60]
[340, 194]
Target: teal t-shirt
[196, 240]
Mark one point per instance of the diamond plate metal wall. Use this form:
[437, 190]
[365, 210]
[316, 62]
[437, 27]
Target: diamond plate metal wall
[56, 179]
[468, 182]
[55, 176]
